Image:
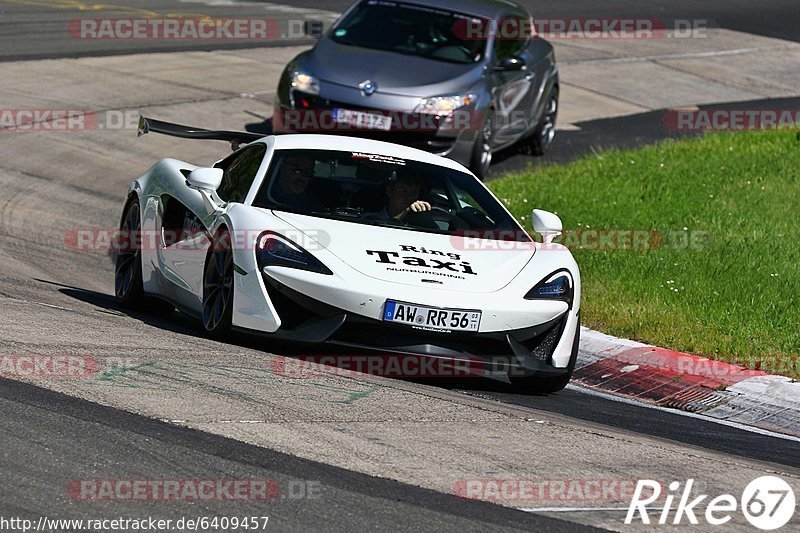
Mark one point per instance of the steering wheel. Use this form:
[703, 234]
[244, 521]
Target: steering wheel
[441, 210]
[437, 36]
[429, 219]
[386, 221]
[433, 208]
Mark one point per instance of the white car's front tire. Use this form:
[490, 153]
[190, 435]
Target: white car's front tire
[218, 287]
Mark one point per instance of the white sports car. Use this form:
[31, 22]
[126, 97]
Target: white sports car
[351, 242]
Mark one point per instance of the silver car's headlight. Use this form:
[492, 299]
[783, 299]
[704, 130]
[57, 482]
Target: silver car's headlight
[304, 82]
[444, 105]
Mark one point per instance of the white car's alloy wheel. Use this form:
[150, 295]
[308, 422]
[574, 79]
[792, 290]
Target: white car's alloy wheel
[218, 287]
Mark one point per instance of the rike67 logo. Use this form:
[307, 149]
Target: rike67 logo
[767, 502]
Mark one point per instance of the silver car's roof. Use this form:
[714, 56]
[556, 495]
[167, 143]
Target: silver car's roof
[478, 8]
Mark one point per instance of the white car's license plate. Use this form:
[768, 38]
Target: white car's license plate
[361, 119]
[431, 317]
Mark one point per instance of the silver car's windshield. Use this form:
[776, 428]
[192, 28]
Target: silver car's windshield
[379, 190]
[410, 29]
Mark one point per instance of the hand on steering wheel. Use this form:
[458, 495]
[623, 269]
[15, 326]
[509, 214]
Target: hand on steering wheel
[419, 206]
[416, 207]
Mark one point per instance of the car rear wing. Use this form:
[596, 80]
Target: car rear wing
[236, 138]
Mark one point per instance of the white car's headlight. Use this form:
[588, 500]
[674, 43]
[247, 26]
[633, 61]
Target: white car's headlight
[273, 249]
[305, 82]
[444, 105]
[557, 286]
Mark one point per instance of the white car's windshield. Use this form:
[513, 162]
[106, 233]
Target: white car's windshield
[409, 29]
[380, 190]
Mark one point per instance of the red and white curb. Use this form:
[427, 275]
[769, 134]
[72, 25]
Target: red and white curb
[677, 380]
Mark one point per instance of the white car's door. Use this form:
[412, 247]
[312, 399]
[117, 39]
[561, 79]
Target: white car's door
[185, 224]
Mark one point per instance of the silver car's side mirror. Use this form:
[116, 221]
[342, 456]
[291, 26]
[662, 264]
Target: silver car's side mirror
[206, 181]
[510, 64]
[546, 224]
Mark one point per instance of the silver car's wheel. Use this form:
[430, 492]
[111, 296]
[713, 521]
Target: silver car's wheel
[482, 151]
[218, 287]
[542, 137]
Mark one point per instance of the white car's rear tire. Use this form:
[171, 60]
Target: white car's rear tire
[128, 284]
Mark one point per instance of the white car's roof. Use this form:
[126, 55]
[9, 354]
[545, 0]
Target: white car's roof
[357, 144]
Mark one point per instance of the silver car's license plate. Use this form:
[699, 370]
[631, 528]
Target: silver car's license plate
[361, 119]
[431, 317]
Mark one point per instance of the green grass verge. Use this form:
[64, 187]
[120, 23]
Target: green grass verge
[732, 293]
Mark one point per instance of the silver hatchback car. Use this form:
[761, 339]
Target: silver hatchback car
[459, 78]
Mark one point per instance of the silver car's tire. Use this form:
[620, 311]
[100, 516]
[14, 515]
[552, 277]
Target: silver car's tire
[482, 150]
[542, 137]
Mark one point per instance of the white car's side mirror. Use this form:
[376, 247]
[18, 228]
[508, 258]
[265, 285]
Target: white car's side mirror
[206, 181]
[205, 178]
[546, 224]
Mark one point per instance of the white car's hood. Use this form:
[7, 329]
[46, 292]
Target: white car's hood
[417, 258]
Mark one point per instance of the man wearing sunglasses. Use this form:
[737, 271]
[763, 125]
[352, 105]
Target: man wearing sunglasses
[291, 186]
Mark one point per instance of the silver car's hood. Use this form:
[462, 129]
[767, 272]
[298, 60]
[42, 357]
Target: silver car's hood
[415, 258]
[393, 73]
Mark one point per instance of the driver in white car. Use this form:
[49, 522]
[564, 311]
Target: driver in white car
[402, 195]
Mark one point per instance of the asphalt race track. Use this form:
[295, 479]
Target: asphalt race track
[43, 428]
[375, 452]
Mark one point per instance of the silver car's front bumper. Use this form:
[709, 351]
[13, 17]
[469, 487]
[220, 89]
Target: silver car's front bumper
[302, 112]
